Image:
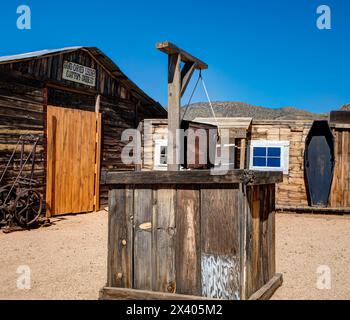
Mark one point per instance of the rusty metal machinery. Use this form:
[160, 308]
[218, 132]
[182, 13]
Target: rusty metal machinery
[20, 203]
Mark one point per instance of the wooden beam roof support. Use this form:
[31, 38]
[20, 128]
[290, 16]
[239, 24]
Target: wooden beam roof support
[186, 75]
[178, 81]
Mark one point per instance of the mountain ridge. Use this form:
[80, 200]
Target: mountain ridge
[345, 107]
[241, 109]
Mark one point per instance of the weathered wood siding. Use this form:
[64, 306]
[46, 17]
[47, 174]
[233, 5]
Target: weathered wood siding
[50, 69]
[259, 263]
[340, 192]
[179, 245]
[292, 191]
[21, 113]
[23, 101]
[215, 240]
[152, 129]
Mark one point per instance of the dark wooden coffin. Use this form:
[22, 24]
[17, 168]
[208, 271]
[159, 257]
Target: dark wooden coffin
[319, 163]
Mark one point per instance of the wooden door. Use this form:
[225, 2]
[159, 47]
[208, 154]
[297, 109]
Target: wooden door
[72, 156]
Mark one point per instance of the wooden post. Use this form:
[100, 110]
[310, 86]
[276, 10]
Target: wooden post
[177, 83]
[97, 152]
[174, 105]
[243, 154]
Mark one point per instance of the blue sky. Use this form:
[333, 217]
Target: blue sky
[267, 53]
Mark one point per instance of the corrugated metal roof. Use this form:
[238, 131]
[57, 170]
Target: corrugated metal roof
[34, 54]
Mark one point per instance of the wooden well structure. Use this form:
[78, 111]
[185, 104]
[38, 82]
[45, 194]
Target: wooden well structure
[191, 234]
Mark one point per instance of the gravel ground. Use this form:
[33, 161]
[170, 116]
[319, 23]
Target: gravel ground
[68, 260]
[305, 242]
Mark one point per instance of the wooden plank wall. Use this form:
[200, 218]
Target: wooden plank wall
[214, 241]
[220, 237]
[292, 191]
[120, 238]
[188, 247]
[340, 192]
[184, 239]
[152, 130]
[21, 113]
[51, 68]
[259, 262]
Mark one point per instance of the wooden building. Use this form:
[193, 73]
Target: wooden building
[78, 102]
[287, 138]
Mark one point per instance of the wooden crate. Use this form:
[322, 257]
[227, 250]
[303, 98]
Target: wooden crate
[191, 234]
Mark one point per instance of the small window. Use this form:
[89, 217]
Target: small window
[160, 154]
[269, 155]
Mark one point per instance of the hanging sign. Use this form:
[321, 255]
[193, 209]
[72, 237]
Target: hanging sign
[78, 73]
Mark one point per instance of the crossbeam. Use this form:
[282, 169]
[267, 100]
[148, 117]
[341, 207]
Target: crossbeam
[170, 49]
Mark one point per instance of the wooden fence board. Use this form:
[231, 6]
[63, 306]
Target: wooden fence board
[163, 242]
[143, 212]
[120, 244]
[220, 261]
[188, 257]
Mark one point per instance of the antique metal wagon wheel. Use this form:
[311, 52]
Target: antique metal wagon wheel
[7, 201]
[28, 207]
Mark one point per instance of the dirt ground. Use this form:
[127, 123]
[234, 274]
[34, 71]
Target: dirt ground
[303, 244]
[68, 260]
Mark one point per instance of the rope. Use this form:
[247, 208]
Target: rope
[206, 93]
[189, 101]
